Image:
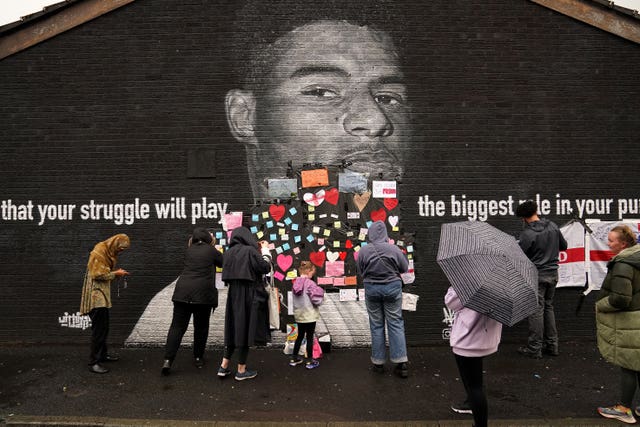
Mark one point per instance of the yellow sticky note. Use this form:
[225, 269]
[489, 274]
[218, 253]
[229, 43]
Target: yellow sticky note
[327, 233]
[260, 235]
[312, 217]
[337, 224]
[311, 209]
[336, 244]
[265, 214]
[316, 230]
[396, 228]
[292, 274]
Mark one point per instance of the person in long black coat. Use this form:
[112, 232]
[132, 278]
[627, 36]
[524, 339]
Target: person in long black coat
[195, 295]
[243, 269]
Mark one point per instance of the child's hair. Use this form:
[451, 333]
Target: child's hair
[306, 267]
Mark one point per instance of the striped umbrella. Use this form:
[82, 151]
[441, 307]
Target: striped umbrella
[488, 271]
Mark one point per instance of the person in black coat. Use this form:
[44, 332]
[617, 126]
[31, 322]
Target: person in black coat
[195, 295]
[243, 270]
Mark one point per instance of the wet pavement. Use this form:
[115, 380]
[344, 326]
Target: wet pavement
[51, 385]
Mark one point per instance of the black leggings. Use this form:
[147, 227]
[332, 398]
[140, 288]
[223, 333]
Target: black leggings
[629, 381]
[305, 329]
[471, 374]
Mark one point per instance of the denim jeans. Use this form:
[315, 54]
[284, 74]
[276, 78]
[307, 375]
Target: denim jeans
[542, 324]
[384, 305]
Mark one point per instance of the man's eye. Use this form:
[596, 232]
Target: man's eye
[320, 93]
[388, 99]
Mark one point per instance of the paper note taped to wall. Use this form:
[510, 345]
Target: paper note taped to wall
[282, 188]
[384, 189]
[315, 178]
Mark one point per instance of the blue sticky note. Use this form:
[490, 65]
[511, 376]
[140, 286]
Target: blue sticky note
[369, 224]
[297, 239]
[255, 217]
[269, 224]
[295, 226]
[219, 235]
[310, 238]
[273, 237]
[286, 247]
[279, 250]
[287, 221]
[293, 211]
[254, 229]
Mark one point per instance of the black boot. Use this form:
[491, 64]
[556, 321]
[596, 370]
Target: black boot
[166, 367]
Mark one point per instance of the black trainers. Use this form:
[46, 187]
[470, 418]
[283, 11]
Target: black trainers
[401, 370]
[550, 351]
[378, 369]
[462, 408]
[527, 352]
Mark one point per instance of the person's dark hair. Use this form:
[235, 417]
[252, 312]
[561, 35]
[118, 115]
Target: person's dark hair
[261, 22]
[527, 209]
[626, 234]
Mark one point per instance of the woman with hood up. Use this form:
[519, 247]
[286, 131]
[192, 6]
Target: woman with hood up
[243, 268]
[380, 264]
[96, 296]
[195, 295]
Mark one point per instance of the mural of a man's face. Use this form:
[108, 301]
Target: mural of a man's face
[334, 93]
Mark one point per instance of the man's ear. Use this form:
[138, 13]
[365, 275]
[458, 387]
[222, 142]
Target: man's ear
[240, 106]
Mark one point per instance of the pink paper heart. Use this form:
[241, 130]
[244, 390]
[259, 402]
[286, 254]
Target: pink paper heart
[284, 261]
[314, 199]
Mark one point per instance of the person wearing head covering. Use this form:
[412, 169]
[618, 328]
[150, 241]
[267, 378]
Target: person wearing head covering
[380, 264]
[195, 295]
[96, 296]
[242, 270]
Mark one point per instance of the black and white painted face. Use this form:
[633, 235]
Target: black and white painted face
[335, 93]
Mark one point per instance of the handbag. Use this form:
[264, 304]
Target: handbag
[409, 301]
[273, 303]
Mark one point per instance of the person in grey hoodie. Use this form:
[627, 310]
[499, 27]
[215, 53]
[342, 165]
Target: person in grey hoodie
[541, 240]
[380, 264]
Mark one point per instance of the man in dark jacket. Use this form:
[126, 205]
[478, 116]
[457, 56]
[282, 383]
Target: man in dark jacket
[541, 240]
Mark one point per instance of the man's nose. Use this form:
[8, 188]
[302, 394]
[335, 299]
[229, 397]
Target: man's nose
[365, 118]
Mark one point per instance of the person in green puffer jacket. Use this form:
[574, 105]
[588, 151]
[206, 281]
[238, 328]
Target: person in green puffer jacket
[618, 319]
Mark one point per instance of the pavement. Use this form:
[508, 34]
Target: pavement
[51, 386]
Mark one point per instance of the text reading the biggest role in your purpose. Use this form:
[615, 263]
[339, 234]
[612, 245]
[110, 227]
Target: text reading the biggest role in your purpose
[120, 213]
[482, 209]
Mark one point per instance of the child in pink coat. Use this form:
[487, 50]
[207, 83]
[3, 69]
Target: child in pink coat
[473, 336]
[307, 296]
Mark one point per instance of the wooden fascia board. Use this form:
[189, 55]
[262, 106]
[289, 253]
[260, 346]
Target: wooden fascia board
[597, 16]
[50, 26]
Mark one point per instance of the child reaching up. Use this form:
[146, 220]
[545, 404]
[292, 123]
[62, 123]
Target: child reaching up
[307, 296]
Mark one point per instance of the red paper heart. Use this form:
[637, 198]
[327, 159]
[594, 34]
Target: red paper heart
[348, 244]
[390, 203]
[379, 215]
[317, 258]
[343, 255]
[331, 196]
[276, 212]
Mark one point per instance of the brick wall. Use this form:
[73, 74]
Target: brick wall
[509, 99]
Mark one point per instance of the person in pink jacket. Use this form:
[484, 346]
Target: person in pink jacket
[473, 336]
[307, 296]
